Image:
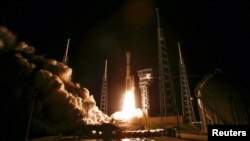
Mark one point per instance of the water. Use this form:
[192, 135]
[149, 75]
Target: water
[70, 138]
[125, 139]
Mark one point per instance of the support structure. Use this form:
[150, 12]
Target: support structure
[65, 57]
[168, 105]
[187, 100]
[166, 90]
[145, 77]
[104, 94]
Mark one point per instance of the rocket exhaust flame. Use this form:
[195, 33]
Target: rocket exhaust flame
[129, 111]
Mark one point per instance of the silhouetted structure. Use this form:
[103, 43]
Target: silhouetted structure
[104, 94]
[187, 100]
[221, 100]
[145, 77]
[166, 90]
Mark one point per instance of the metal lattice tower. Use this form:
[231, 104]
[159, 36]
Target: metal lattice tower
[187, 100]
[166, 90]
[145, 77]
[104, 94]
[65, 57]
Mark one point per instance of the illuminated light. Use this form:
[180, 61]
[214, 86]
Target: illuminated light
[126, 139]
[93, 132]
[128, 111]
[129, 105]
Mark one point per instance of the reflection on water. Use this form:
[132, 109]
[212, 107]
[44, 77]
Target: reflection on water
[125, 139]
[70, 138]
[109, 135]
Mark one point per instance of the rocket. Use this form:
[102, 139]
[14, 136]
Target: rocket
[128, 76]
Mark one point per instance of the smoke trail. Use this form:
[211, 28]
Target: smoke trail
[60, 104]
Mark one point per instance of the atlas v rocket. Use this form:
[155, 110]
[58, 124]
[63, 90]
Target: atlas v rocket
[128, 76]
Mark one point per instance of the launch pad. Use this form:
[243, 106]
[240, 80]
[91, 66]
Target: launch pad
[132, 128]
[112, 131]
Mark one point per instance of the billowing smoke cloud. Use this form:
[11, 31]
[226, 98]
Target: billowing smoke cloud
[7, 39]
[60, 104]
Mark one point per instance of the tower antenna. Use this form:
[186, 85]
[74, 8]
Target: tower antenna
[65, 57]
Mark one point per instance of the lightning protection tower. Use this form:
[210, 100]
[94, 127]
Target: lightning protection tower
[65, 57]
[104, 94]
[166, 90]
[145, 77]
[187, 100]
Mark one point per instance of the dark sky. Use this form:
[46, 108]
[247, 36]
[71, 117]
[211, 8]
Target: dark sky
[212, 35]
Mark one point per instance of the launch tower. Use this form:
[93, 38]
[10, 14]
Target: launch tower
[187, 101]
[104, 94]
[145, 77]
[166, 90]
[65, 57]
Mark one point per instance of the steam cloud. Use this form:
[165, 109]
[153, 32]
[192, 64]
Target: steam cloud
[60, 104]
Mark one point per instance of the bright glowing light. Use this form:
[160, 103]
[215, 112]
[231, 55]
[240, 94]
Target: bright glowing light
[128, 111]
[129, 104]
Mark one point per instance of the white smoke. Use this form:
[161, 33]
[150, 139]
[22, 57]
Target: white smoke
[7, 39]
[56, 83]
[61, 103]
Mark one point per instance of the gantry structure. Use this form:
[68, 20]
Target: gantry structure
[187, 100]
[166, 90]
[145, 79]
[104, 93]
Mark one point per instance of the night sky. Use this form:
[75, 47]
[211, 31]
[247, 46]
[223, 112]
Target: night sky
[212, 35]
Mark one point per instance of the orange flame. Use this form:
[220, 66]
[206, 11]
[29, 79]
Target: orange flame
[128, 111]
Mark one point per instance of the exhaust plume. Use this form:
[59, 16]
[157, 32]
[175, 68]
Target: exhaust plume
[61, 105]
